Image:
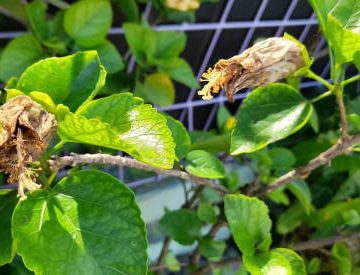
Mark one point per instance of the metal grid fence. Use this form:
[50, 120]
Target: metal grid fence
[192, 102]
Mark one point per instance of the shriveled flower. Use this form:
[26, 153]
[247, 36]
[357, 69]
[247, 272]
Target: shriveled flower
[183, 5]
[265, 62]
[26, 128]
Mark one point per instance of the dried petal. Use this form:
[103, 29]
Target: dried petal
[266, 62]
[183, 5]
[26, 129]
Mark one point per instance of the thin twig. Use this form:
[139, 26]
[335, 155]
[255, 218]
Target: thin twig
[302, 172]
[163, 253]
[57, 163]
[342, 110]
[316, 244]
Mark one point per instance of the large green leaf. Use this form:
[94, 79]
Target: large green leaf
[88, 224]
[268, 114]
[267, 263]
[139, 129]
[180, 136]
[7, 204]
[20, 53]
[181, 225]
[249, 223]
[70, 80]
[88, 22]
[350, 188]
[204, 164]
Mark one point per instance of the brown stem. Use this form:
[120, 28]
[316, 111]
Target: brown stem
[57, 163]
[342, 110]
[162, 256]
[302, 172]
[316, 244]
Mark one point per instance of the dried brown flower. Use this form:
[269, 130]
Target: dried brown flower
[265, 62]
[26, 129]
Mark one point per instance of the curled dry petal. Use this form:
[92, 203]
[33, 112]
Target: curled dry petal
[183, 5]
[26, 128]
[265, 62]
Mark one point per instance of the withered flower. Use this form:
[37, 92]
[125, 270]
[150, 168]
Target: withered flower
[26, 128]
[265, 62]
[183, 5]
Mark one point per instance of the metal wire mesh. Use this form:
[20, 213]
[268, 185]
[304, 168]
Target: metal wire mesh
[261, 21]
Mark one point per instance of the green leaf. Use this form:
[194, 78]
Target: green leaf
[350, 188]
[157, 89]
[15, 9]
[18, 54]
[179, 70]
[343, 258]
[213, 250]
[181, 225]
[343, 41]
[208, 213]
[204, 164]
[122, 122]
[44, 100]
[357, 63]
[313, 266]
[296, 262]
[169, 44]
[314, 121]
[222, 115]
[89, 224]
[50, 33]
[290, 219]
[282, 158]
[70, 80]
[268, 114]
[172, 263]
[8, 201]
[249, 223]
[110, 57]
[210, 141]
[340, 22]
[267, 263]
[302, 192]
[279, 196]
[129, 9]
[88, 22]
[180, 135]
[141, 41]
[331, 216]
